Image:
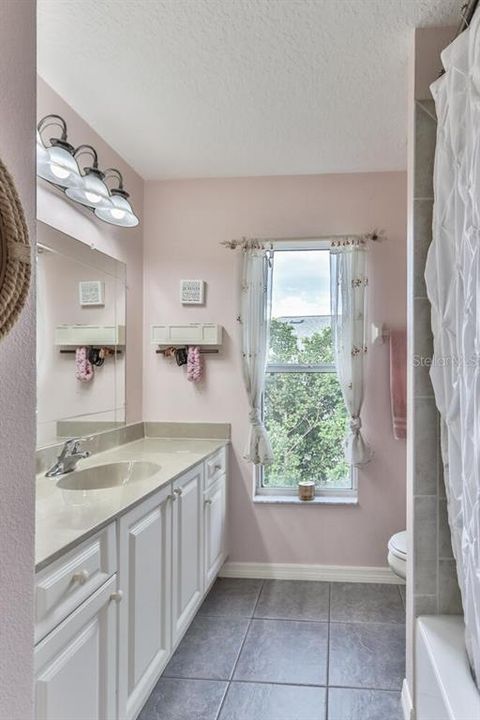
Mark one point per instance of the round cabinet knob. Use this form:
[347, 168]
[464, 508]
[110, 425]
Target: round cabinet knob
[178, 491]
[217, 467]
[208, 502]
[81, 576]
[117, 596]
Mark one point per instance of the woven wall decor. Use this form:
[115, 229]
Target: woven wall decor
[15, 255]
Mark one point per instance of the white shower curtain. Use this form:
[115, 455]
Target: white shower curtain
[349, 281]
[254, 347]
[453, 286]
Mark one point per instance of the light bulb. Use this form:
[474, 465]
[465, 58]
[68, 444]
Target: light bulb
[59, 172]
[93, 197]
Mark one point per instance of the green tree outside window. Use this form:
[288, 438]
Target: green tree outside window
[304, 412]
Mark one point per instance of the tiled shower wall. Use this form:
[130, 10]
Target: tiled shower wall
[435, 588]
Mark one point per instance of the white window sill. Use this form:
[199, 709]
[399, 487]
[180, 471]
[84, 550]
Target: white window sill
[293, 500]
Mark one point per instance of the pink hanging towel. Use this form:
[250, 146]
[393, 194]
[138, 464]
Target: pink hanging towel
[83, 366]
[398, 382]
[194, 364]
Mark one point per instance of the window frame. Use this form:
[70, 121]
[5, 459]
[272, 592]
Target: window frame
[285, 492]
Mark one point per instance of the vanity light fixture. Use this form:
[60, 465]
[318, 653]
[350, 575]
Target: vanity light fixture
[42, 153]
[92, 192]
[56, 163]
[119, 212]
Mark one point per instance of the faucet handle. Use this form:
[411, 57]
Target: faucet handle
[74, 445]
[71, 447]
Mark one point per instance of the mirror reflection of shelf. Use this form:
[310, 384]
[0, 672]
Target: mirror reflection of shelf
[70, 351]
[96, 335]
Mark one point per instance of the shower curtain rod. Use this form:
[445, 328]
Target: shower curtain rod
[466, 13]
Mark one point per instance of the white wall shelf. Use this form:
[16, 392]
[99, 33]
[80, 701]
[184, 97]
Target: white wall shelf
[204, 334]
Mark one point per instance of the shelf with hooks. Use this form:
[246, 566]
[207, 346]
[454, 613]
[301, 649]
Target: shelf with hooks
[203, 335]
[203, 351]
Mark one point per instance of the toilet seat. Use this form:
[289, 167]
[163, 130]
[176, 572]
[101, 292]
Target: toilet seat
[397, 545]
[397, 554]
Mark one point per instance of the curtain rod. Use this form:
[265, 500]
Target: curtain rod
[374, 236]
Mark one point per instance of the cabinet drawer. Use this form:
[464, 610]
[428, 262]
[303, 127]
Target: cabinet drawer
[66, 583]
[215, 467]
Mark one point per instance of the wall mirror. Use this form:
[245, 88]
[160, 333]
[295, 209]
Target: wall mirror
[81, 332]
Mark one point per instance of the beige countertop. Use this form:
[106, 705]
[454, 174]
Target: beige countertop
[65, 517]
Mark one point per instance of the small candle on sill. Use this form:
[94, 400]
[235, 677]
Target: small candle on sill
[306, 490]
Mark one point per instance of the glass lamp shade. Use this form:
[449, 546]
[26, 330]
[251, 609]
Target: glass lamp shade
[119, 213]
[42, 153]
[93, 192]
[57, 165]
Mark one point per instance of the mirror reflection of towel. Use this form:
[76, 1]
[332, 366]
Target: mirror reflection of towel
[83, 366]
[398, 382]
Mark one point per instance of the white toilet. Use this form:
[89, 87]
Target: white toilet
[397, 554]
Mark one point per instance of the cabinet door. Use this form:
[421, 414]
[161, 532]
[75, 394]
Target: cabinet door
[145, 577]
[75, 665]
[215, 545]
[187, 570]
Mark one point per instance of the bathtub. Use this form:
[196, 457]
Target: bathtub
[445, 689]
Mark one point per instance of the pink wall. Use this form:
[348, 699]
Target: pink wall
[184, 223]
[122, 243]
[17, 378]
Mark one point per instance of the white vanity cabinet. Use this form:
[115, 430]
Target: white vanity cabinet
[76, 664]
[214, 529]
[187, 564]
[214, 503]
[110, 612]
[145, 549]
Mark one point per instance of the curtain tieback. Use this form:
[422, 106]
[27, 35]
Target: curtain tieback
[355, 424]
[255, 418]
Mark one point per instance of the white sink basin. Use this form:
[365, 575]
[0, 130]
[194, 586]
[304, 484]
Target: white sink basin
[100, 477]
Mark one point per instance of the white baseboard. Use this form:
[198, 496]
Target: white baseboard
[293, 571]
[407, 705]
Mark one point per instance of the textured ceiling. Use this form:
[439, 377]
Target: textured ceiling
[204, 88]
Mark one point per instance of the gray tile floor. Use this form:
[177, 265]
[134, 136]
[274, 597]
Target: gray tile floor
[287, 650]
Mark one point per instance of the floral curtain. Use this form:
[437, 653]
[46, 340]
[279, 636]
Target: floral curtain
[348, 297]
[453, 281]
[254, 321]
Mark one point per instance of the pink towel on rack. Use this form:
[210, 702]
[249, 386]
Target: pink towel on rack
[398, 382]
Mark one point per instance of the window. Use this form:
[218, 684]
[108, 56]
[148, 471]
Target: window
[303, 407]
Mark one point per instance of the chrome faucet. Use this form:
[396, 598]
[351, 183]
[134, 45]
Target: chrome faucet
[68, 458]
